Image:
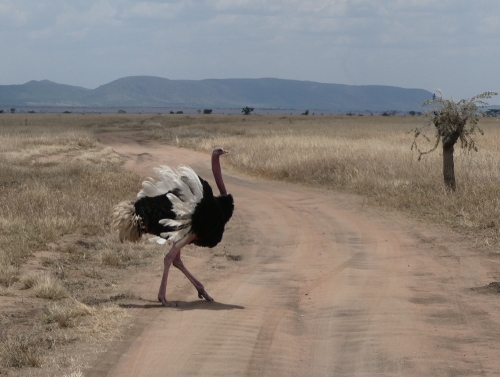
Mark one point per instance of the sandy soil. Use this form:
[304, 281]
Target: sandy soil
[326, 286]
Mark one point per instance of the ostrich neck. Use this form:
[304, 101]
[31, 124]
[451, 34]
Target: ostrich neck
[218, 174]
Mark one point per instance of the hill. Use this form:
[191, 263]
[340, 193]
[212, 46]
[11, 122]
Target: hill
[41, 93]
[266, 93]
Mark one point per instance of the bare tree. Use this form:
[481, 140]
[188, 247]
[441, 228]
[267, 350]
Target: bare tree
[451, 121]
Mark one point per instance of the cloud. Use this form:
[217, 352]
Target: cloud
[155, 10]
[12, 14]
[80, 22]
[490, 25]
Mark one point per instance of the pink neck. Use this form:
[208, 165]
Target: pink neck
[218, 174]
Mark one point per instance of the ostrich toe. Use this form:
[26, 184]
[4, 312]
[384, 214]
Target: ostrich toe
[203, 294]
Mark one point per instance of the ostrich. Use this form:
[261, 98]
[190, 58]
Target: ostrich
[181, 208]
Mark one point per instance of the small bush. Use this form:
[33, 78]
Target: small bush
[49, 288]
[8, 275]
[28, 281]
[21, 350]
[66, 313]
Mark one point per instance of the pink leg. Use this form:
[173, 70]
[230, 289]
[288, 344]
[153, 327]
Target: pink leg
[199, 287]
[168, 260]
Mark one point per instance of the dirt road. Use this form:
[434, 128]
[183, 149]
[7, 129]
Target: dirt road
[325, 287]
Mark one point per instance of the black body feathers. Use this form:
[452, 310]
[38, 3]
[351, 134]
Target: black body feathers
[207, 221]
[210, 217]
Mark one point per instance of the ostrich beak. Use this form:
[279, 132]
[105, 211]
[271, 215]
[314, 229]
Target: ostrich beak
[224, 151]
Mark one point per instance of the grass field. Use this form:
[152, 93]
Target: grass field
[57, 181]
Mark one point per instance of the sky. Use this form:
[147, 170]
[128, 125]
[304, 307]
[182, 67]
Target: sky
[451, 45]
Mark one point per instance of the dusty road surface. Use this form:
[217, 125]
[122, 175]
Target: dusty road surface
[325, 287]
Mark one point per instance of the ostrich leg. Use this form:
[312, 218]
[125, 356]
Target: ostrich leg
[167, 262]
[199, 287]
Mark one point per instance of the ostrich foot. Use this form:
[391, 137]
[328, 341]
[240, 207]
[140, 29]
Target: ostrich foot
[203, 294]
[166, 303]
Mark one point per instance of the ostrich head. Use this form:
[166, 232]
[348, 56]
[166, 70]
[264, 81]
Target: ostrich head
[217, 151]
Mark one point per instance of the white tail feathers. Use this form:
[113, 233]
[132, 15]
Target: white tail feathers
[126, 222]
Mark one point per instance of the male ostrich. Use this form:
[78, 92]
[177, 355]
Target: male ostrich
[179, 207]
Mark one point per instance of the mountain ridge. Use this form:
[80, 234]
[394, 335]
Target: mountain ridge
[263, 93]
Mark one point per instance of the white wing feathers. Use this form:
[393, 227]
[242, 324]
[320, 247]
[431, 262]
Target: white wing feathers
[183, 188]
[184, 180]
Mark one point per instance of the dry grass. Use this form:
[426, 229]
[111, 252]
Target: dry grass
[47, 287]
[367, 155]
[67, 313]
[122, 255]
[22, 350]
[77, 373]
[28, 281]
[30, 348]
[8, 274]
[56, 180]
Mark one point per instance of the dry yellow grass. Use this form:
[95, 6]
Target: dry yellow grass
[49, 288]
[366, 155]
[55, 180]
[22, 350]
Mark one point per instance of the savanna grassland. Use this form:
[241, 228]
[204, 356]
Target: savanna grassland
[58, 185]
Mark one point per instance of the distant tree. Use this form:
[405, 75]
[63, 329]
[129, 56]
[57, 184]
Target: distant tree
[247, 110]
[171, 112]
[198, 111]
[412, 113]
[207, 111]
[389, 113]
[122, 112]
[1, 111]
[12, 110]
[493, 112]
[305, 112]
[451, 121]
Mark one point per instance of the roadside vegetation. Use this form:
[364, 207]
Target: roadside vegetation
[58, 185]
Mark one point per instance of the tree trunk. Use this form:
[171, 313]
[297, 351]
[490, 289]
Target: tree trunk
[449, 140]
[449, 166]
